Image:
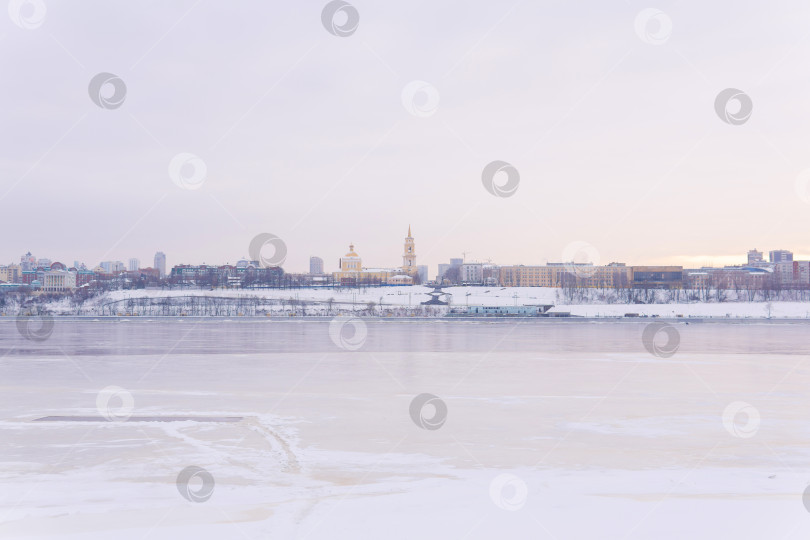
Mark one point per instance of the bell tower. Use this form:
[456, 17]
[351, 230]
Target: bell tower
[409, 255]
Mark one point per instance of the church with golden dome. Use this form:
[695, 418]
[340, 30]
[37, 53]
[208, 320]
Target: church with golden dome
[352, 272]
[351, 262]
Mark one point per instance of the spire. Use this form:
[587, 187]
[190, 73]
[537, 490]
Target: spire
[409, 230]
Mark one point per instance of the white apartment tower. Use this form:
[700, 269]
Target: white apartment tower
[160, 263]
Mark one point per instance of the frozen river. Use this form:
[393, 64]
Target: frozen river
[181, 428]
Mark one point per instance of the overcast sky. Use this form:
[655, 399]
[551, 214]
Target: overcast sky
[611, 124]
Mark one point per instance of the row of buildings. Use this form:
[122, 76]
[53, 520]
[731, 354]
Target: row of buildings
[350, 273]
[29, 263]
[46, 276]
[56, 277]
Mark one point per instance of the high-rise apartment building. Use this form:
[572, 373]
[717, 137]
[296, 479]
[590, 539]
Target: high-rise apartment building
[422, 272]
[780, 256]
[160, 263]
[28, 262]
[111, 267]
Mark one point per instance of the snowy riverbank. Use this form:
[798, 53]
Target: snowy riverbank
[405, 300]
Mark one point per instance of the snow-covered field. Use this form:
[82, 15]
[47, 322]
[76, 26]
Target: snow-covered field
[488, 296]
[544, 431]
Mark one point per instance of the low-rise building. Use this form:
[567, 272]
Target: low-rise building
[792, 273]
[729, 277]
[58, 281]
[472, 273]
[27, 277]
[529, 276]
[614, 275]
[245, 273]
[660, 277]
[84, 276]
[567, 275]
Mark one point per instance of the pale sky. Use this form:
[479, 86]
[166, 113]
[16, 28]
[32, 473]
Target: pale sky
[304, 134]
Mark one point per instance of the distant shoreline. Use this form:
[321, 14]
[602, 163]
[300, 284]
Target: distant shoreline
[452, 320]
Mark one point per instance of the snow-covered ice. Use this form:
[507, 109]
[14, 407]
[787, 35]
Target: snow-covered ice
[553, 430]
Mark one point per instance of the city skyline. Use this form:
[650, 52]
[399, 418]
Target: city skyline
[618, 145]
[732, 260]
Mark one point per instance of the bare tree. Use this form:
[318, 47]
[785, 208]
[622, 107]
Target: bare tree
[452, 275]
